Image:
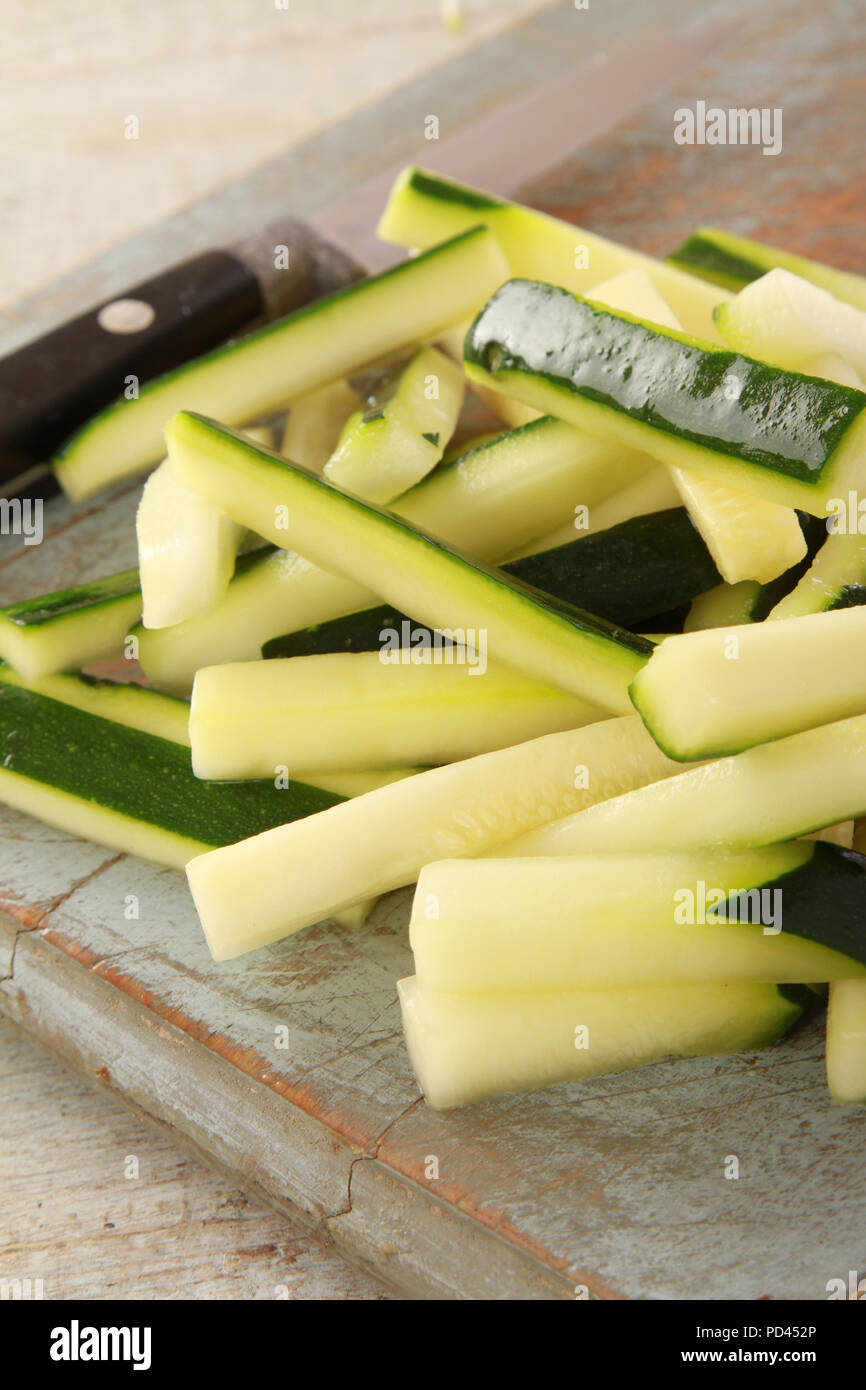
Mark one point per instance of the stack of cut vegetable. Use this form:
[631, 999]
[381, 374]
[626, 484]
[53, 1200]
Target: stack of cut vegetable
[596, 680]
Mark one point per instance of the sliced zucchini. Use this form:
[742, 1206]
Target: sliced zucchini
[259, 374]
[496, 497]
[653, 491]
[424, 207]
[846, 1014]
[835, 579]
[792, 439]
[748, 537]
[359, 711]
[132, 791]
[466, 1048]
[268, 887]
[136, 706]
[315, 423]
[625, 574]
[834, 368]
[186, 551]
[186, 548]
[489, 501]
[788, 913]
[734, 261]
[512, 413]
[270, 589]
[358, 783]
[553, 642]
[354, 918]
[704, 694]
[773, 792]
[72, 628]
[401, 434]
[727, 605]
[784, 319]
[846, 1041]
[151, 711]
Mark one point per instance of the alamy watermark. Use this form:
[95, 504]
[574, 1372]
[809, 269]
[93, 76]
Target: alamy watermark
[22, 517]
[703, 906]
[423, 646]
[739, 125]
[77, 1343]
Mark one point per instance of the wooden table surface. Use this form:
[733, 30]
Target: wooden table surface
[219, 85]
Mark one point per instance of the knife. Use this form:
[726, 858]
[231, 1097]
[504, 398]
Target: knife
[52, 385]
[589, 80]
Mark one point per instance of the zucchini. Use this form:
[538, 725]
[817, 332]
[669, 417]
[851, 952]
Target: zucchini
[846, 1013]
[748, 537]
[122, 702]
[846, 1042]
[773, 792]
[552, 641]
[652, 491]
[491, 500]
[124, 788]
[315, 422]
[186, 551]
[792, 439]
[788, 913]
[270, 589]
[785, 320]
[735, 261]
[512, 413]
[835, 579]
[625, 574]
[727, 605]
[358, 711]
[380, 841]
[834, 368]
[72, 628]
[466, 1048]
[705, 694]
[151, 711]
[498, 496]
[423, 208]
[357, 783]
[401, 433]
[255, 376]
[186, 548]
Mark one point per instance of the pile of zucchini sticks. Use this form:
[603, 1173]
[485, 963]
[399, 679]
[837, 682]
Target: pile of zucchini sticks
[594, 680]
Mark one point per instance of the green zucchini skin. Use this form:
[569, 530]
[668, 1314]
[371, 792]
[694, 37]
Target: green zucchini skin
[849, 596]
[625, 574]
[121, 702]
[722, 258]
[701, 255]
[49, 608]
[138, 775]
[71, 628]
[779, 423]
[629, 572]
[824, 900]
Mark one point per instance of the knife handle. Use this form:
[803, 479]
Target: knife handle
[51, 386]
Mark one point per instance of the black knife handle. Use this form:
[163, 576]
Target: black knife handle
[50, 387]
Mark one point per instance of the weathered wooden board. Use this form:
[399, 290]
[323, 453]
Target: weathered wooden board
[98, 1204]
[617, 1186]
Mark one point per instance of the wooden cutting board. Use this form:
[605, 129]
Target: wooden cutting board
[610, 1189]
